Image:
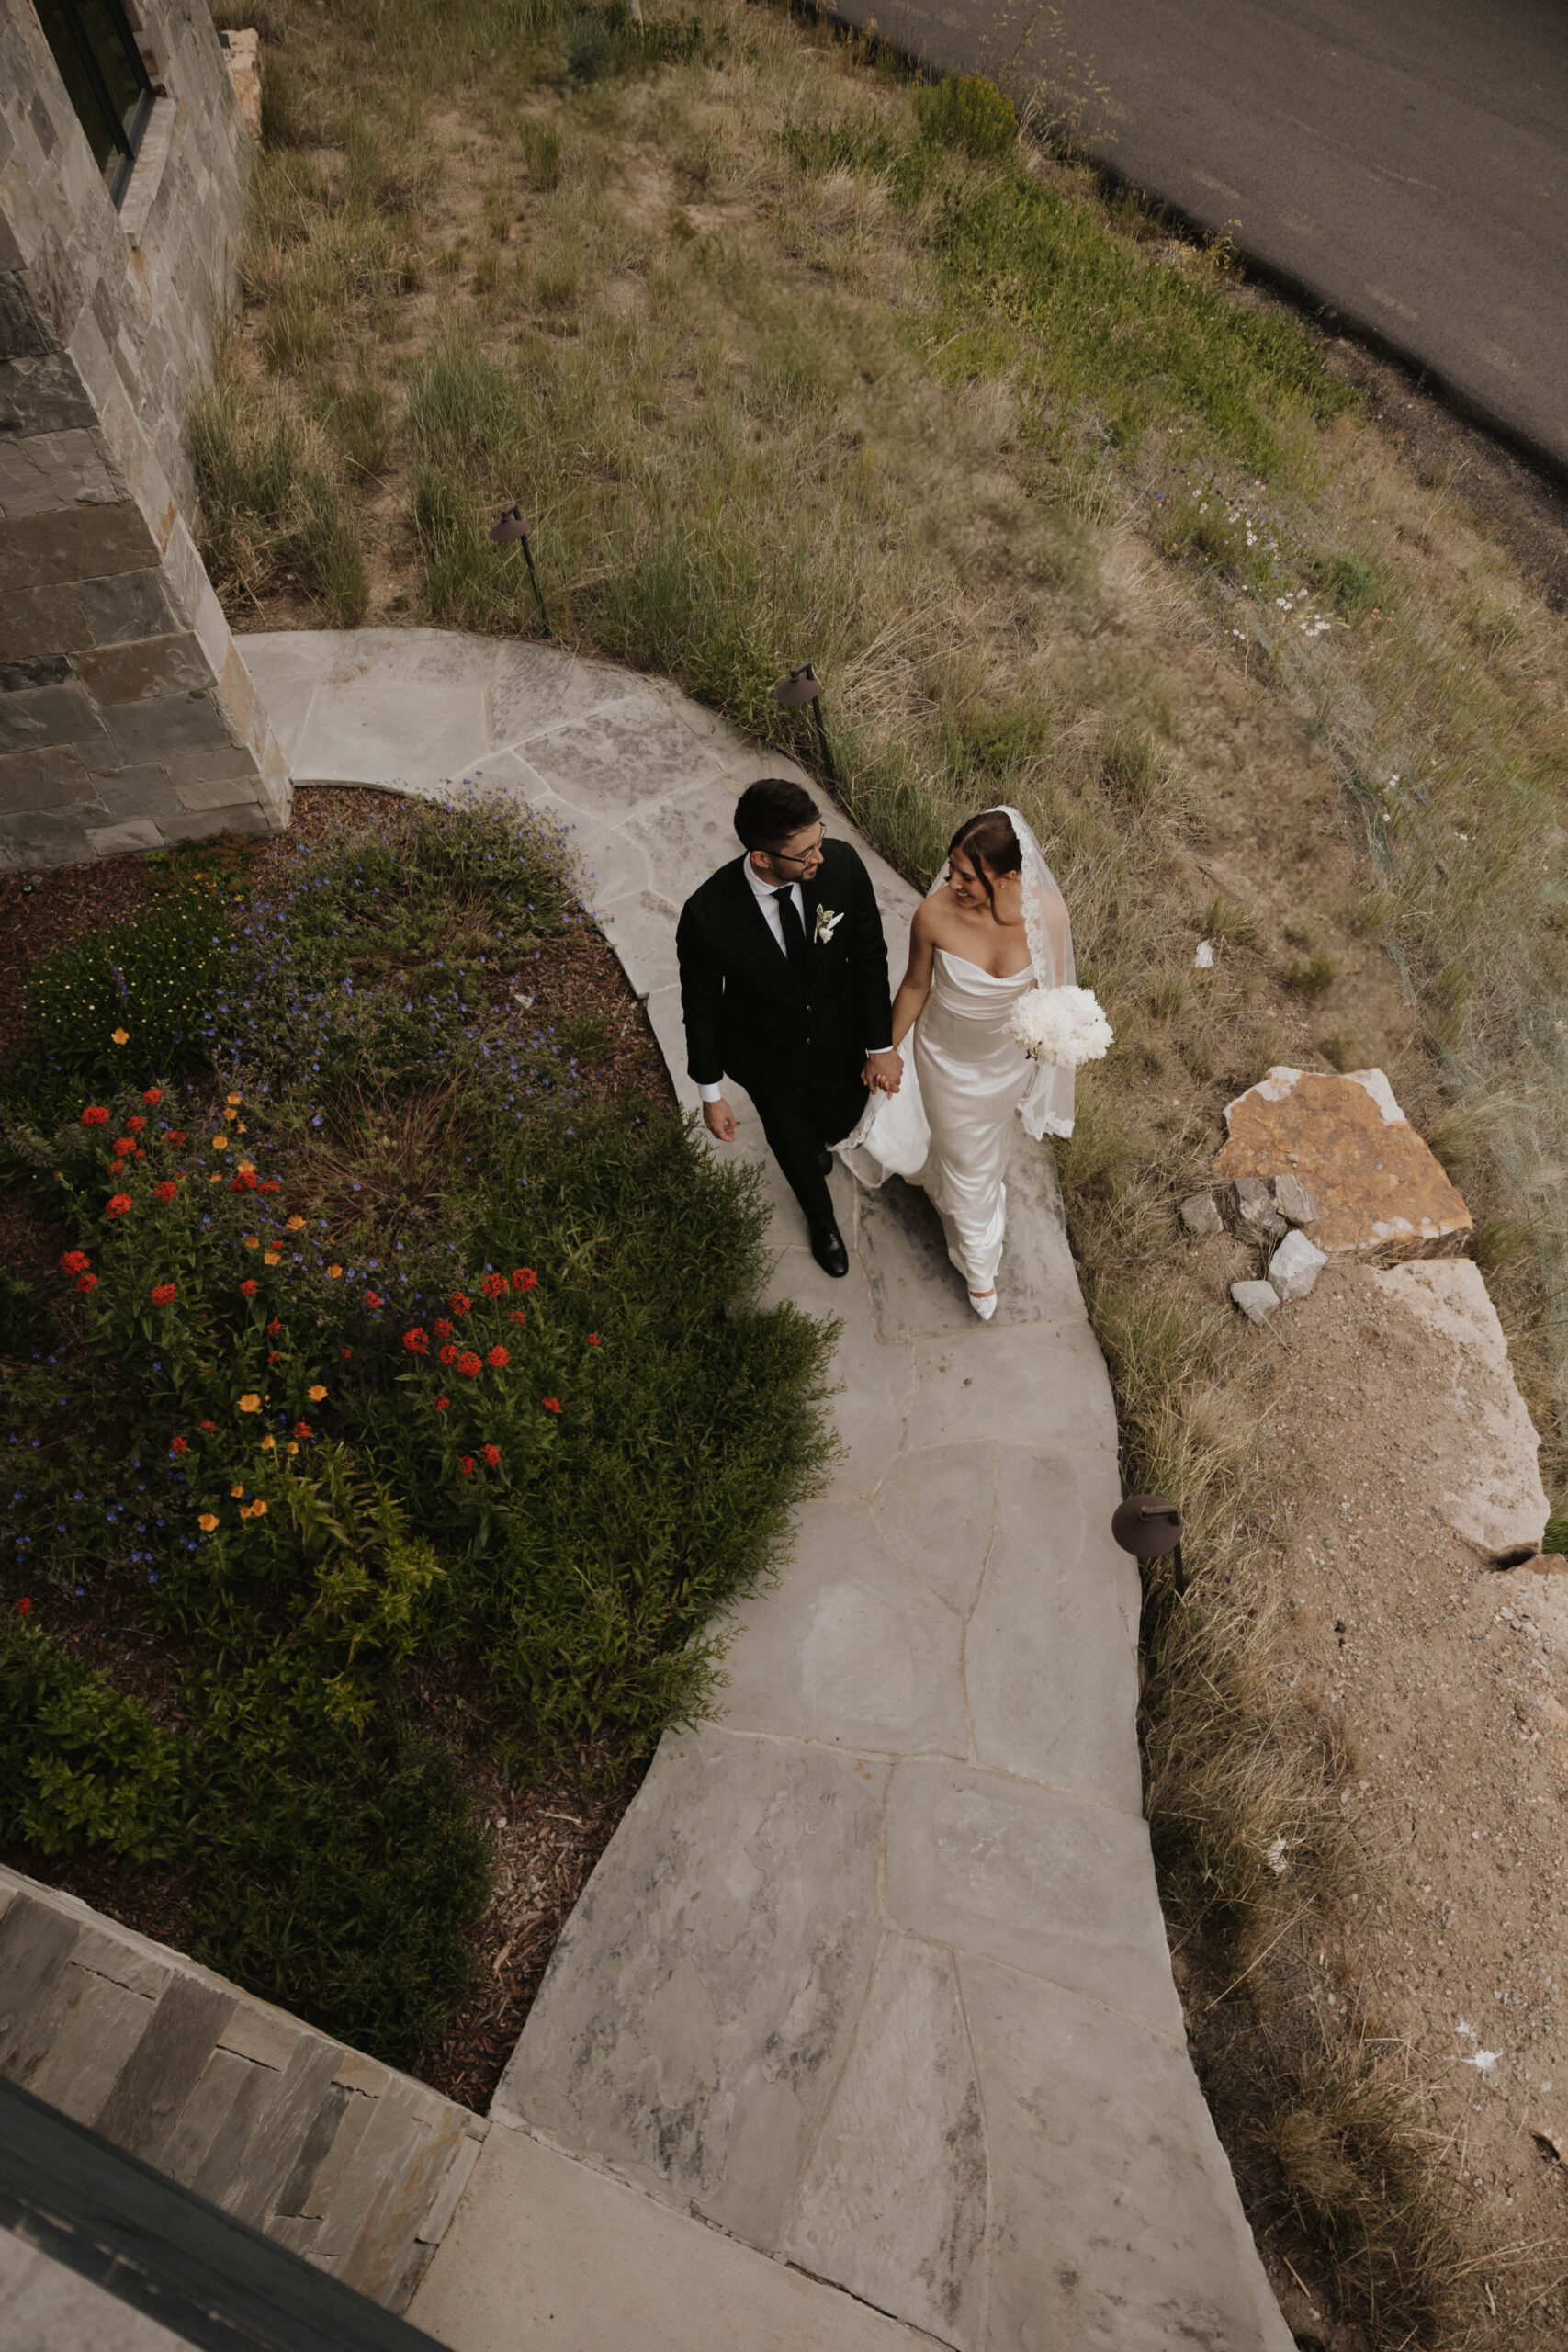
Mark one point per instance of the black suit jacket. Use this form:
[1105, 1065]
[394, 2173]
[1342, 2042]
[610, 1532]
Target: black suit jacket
[745, 1010]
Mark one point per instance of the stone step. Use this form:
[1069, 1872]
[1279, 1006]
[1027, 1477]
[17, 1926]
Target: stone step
[354, 2166]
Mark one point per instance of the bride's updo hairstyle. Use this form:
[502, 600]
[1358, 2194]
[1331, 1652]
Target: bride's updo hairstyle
[991, 846]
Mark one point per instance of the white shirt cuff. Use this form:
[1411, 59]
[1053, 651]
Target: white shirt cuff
[877, 1050]
[711, 1094]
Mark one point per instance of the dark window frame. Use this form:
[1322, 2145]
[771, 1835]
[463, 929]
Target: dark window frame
[126, 135]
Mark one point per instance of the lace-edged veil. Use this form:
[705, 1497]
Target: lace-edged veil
[1047, 1107]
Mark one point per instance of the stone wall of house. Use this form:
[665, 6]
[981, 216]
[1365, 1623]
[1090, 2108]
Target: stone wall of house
[128, 719]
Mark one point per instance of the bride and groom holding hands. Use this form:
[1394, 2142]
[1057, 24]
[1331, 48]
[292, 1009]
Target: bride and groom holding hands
[784, 987]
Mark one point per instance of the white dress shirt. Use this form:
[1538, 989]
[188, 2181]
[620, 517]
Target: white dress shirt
[766, 895]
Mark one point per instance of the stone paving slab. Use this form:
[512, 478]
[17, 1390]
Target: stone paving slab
[873, 1976]
[355, 2168]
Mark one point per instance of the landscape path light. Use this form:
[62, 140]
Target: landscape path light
[802, 685]
[512, 526]
[1149, 1526]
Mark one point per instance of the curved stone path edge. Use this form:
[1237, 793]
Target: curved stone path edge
[873, 1976]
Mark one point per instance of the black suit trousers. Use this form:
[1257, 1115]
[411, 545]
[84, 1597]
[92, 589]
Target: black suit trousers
[798, 1120]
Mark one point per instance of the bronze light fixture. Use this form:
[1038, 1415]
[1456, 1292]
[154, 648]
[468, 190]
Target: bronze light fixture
[1149, 1526]
[802, 686]
[512, 527]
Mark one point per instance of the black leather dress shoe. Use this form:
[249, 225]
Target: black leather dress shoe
[825, 1161]
[827, 1249]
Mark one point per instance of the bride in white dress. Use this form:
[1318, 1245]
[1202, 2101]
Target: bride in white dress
[992, 927]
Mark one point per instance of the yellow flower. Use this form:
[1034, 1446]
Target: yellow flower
[208, 1521]
[316, 1394]
[247, 1167]
[250, 1402]
[234, 1100]
[242, 1129]
[270, 1257]
[120, 1036]
[332, 1272]
[236, 1492]
[215, 1178]
[269, 1445]
[296, 1224]
[292, 1447]
[219, 1143]
[258, 1508]
[253, 1241]
[228, 1114]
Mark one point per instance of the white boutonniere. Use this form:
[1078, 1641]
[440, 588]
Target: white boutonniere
[826, 925]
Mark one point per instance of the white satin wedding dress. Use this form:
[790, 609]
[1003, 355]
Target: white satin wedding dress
[949, 1128]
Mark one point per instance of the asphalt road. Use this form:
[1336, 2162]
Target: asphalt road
[1404, 163]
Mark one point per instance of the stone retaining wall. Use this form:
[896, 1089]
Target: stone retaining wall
[128, 718]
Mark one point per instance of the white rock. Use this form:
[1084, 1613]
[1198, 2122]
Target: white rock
[1293, 1201]
[1204, 958]
[1257, 1301]
[1200, 1215]
[1295, 1266]
[1480, 1442]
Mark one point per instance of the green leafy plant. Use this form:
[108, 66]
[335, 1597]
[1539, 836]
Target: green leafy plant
[141, 991]
[80, 1764]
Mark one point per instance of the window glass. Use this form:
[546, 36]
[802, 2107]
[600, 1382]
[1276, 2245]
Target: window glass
[104, 76]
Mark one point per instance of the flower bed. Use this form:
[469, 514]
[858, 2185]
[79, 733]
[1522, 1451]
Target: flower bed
[397, 1418]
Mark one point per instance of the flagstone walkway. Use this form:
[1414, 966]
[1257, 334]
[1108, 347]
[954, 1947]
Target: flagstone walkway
[872, 1977]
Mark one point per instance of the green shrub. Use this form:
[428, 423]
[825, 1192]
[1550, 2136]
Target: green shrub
[965, 110]
[80, 1764]
[140, 994]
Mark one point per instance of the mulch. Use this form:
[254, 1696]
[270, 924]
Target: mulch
[545, 1836]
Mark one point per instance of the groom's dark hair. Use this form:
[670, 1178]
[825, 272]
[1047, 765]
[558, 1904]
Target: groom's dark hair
[770, 810]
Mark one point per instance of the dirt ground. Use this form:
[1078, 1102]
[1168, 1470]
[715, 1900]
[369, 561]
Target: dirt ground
[1443, 1685]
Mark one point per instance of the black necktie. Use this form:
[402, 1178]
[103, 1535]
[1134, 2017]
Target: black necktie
[794, 934]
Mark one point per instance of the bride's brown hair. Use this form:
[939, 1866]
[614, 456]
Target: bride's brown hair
[990, 844]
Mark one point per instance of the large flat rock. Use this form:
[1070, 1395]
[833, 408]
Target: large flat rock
[1379, 1191]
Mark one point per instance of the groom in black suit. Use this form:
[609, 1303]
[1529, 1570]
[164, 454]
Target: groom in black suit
[784, 985]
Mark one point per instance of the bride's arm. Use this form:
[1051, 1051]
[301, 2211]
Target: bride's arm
[916, 984]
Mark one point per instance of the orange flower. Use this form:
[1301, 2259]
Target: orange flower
[250, 1402]
[234, 1100]
[120, 1036]
[258, 1508]
[332, 1272]
[271, 1258]
[215, 1178]
[316, 1393]
[219, 1143]
[236, 1492]
[252, 1240]
[269, 1445]
[291, 1447]
[296, 1224]
[208, 1521]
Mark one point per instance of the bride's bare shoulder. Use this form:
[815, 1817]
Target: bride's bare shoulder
[926, 924]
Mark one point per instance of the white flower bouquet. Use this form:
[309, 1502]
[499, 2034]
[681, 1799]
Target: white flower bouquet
[1064, 1026]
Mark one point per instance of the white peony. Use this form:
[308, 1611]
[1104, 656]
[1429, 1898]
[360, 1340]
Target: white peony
[1064, 1026]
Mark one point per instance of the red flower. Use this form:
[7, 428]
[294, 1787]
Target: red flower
[551, 1404]
[458, 1304]
[345, 1352]
[274, 1327]
[442, 1331]
[23, 1606]
[85, 1282]
[247, 1290]
[163, 1293]
[517, 1315]
[524, 1278]
[269, 1184]
[416, 1341]
[442, 1403]
[593, 1338]
[449, 1352]
[118, 1204]
[302, 1429]
[494, 1285]
[178, 1445]
[492, 1455]
[136, 1125]
[166, 1191]
[273, 1356]
[466, 1464]
[207, 1426]
[75, 1262]
[372, 1301]
[242, 1182]
[470, 1365]
[153, 1094]
[94, 1115]
[498, 1358]
[177, 1136]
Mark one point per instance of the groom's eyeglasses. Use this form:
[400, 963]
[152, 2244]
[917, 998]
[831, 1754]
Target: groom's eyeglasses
[799, 857]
